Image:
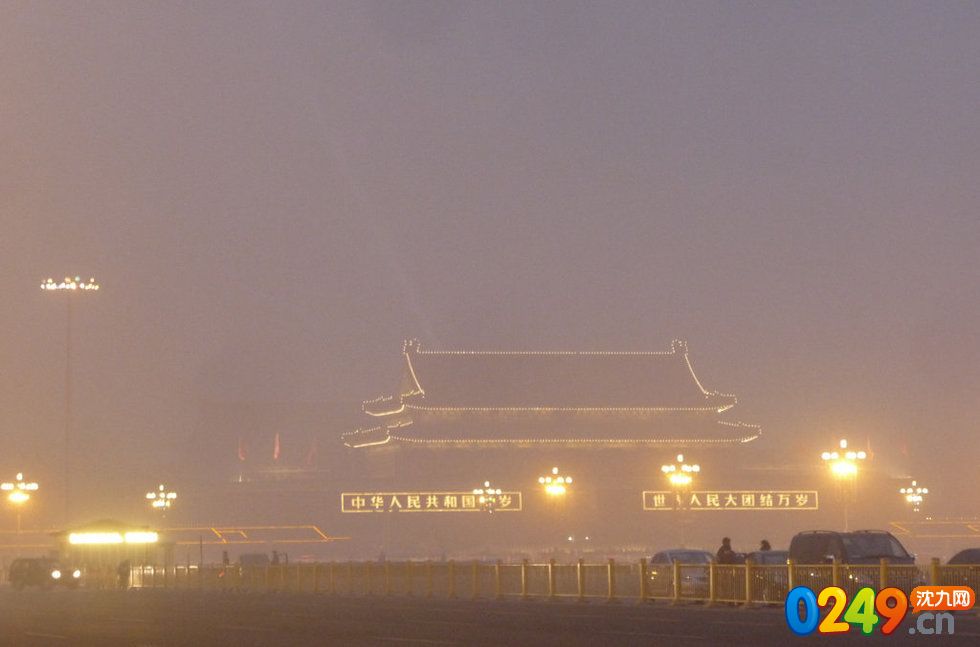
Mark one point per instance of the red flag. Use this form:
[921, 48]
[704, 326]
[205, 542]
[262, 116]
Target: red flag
[241, 449]
[275, 448]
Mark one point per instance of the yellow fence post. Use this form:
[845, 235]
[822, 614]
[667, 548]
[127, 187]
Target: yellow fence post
[350, 577]
[551, 579]
[790, 574]
[883, 574]
[643, 579]
[835, 572]
[580, 576]
[497, 590]
[452, 578]
[331, 580]
[934, 579]
[712, 583]
[611, 576]
[676, 598]
[749, 574]
[523, 579]
[476, 579]
[316, 577]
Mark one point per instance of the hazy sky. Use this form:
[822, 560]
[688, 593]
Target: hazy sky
[275, 195]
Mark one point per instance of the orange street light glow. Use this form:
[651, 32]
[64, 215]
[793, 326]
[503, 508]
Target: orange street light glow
[555, 484]
[103, 538]
[680, 478]
[680, 474]
[843, 463]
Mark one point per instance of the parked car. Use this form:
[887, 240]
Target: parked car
[694, 572]
[966, 571]
[769, 557]
[42, 572]
[770, 584]
[967, 557]
[856, 548]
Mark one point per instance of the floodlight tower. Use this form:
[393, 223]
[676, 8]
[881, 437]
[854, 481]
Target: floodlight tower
[70, 286]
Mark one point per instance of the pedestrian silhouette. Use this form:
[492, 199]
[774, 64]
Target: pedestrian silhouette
[725, 554]
[123, 572]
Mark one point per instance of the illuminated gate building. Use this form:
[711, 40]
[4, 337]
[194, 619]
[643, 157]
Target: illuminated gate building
[609, 419]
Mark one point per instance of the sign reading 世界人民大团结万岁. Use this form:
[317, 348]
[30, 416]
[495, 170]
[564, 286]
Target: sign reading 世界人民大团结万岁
[731, 500]
[426, 502]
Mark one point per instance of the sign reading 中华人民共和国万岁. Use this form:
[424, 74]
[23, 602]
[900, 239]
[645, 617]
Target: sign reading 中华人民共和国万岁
[731, 500]
[426, 502]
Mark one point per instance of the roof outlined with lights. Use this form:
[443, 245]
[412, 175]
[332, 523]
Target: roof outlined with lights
[493, 398]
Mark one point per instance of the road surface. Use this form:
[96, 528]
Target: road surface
[155, 617]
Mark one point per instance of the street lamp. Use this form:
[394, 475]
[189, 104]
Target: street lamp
[487, 496]
[843, 465]
[555, 484]
[19, 493]
[161, 500]
[70, 286]
[556, 487]
[914, 494]
[680, 475]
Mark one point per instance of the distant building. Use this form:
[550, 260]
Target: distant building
[549, 399]
[456, 419]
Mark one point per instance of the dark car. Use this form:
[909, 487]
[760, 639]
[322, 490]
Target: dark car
[857, 547]
[694, 572]
[968, 557]
[42, 572]
[965, 569]
[770, 583]
[769, 557]
[860, 551]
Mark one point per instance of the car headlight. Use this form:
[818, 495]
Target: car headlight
[76, 573]
[56, 574]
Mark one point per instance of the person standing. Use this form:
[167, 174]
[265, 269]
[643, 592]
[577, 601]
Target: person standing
[123, 572]
[725, 554]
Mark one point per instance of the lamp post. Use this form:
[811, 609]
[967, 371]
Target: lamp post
[70, 286]
[161, 499]
[556, 487]
[843, 464]
[487, 496]
[680, 475]
[19, 493]
[914, 495]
